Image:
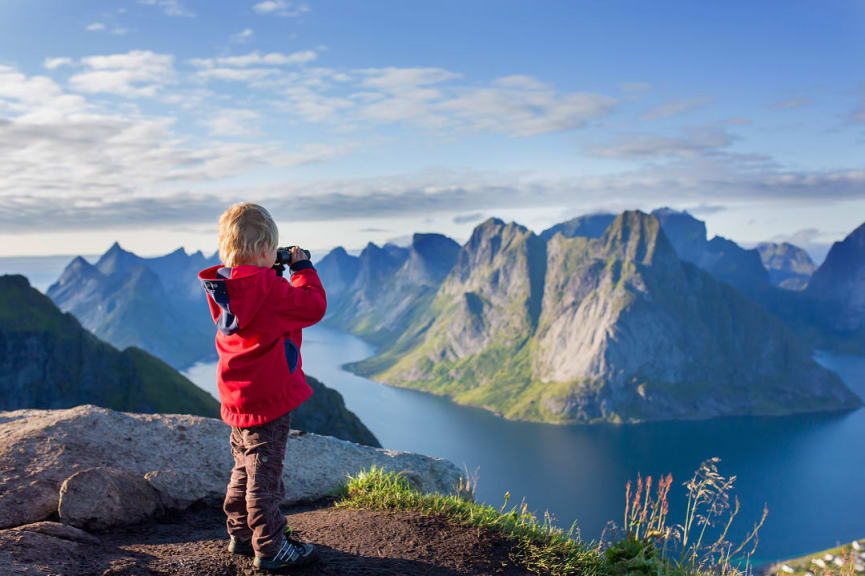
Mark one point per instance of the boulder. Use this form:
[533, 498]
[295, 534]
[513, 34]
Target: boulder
[31, 548]
[99, 498]
[185, 459]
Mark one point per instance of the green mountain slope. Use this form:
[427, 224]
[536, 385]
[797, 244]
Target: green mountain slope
[49, 361]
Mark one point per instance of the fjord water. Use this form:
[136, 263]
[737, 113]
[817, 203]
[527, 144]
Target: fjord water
[809, 470]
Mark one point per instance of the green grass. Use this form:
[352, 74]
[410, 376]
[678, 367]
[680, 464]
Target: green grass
[541, 548]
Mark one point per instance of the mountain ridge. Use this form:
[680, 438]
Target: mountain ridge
[632, 301]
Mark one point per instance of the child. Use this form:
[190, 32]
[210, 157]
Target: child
[259, 317]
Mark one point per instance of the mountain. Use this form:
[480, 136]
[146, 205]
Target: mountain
[325, 413]
[155, 304]
[616, 328]
[789, 266]
[723, 258]
[50, 361]
[840, 282]
[589, 226]
[337, 271]
[376, 294]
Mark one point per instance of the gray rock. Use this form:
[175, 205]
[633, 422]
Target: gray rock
[184, 458]
[44, 548]
[99, 498]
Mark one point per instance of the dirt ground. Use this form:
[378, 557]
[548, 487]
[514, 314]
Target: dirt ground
[193, 543]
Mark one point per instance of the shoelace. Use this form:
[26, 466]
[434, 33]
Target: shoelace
[290, 550]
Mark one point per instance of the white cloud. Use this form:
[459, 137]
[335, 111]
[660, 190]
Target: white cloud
[250, 75]
[233, 122]
[438, 192]
[27, 93]
[139, 73]
[675, 108]
[512, 105]
[169, 7]
[54, 63]
[60, 151]
[528, 112]
[285, 8]
[692, 143]
[102, 27]
[242, 37]
[395, 80]
[433, 98]
[256, 59]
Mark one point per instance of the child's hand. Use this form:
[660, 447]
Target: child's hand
[297, 254]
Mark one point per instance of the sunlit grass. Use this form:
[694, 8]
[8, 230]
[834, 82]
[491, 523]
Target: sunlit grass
[647, 543]
[541, 547]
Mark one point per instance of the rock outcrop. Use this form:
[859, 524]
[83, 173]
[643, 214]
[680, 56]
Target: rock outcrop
[182, 459]
[99, 498]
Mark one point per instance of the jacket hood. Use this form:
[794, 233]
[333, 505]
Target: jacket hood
[238, 292]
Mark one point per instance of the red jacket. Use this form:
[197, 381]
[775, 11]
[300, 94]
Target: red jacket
[259, 317]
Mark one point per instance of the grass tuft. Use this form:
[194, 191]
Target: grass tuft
[541, 547]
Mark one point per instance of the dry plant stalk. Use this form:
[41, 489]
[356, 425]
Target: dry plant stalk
[709, 506]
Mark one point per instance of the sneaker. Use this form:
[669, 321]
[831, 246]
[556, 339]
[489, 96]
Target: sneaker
[244, 548]
[291, 554]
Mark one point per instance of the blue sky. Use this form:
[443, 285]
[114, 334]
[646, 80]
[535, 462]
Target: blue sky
[358, 121]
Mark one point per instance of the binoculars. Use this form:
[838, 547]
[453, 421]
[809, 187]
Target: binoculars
[283, 258]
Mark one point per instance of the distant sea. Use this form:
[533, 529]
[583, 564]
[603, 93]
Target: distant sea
[42, 271]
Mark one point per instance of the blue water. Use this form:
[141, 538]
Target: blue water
[809, 470]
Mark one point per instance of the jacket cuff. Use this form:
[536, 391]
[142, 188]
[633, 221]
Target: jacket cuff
[301, 265]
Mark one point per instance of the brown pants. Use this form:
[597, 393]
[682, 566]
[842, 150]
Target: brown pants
[256, 488]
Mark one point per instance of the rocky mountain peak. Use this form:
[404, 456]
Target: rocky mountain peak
[116, 260]
[637, 236]
[78, 268]
[431, 257]
[338, 252]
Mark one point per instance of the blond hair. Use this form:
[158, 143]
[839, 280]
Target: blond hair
[245, 230]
